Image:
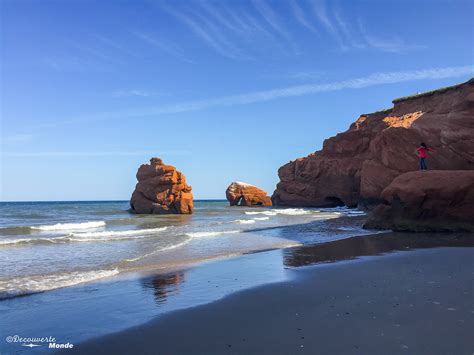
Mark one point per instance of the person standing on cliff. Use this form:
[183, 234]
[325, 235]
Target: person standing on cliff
[423, 153]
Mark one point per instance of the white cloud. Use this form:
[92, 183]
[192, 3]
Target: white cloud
[136, 93]
[270, 17]
[392, 44]
[161, 44]
[301, 17]
[274, 94]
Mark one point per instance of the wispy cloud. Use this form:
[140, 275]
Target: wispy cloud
[347, 31]
[301, 17]
[163, 45]
[136, 93]
[279, 93]
[322, 14]
[392, 44]
[17, 139]
[270, 16]
[92, 154]
[113, 44]
[211, 36]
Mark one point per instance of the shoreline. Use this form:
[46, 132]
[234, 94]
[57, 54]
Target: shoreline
[416, 302]
[137, 298]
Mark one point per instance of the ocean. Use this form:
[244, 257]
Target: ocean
[51, 245]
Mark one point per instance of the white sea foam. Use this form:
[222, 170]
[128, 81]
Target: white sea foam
[69, 226]
[14, 241]
[261, 218]
[39, 283]
[267, 213]
[112, 234]
[285, 211]
[88, 237]
[244, 221]
[210, 234]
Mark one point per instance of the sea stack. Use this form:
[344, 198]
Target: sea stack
[355, 166]
[161, 189]
[243, 194]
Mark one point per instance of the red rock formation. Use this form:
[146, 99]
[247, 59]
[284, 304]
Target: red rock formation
[437, 200]
[161, 189]
[355, 166]
[243, 194]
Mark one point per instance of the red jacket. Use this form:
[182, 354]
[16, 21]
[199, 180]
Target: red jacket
[422, 152]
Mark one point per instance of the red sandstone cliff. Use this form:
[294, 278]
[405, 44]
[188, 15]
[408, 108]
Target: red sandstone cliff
[427, 201]
[355, 166]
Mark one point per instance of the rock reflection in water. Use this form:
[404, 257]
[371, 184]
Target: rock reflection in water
[354, 247]
[164, 285]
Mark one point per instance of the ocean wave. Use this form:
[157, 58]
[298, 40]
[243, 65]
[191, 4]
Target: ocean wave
[244, 221]
[125, 233]
[41, 283]
[261, 218]
[69, 226]
[210, 234]
[285, 211]
[105, 236]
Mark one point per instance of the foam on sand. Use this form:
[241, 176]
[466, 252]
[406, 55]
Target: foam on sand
[39, 283]
[69, 226]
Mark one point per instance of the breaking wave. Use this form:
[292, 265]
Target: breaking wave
[104, 236]
[210, 234]
[69, 226]
[286, 211]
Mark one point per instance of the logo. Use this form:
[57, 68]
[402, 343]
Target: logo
[34, 342]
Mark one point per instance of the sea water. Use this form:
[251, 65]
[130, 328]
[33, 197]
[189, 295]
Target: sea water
[50, 245]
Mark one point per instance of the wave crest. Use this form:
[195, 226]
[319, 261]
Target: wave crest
[70, 226]
[210, 234]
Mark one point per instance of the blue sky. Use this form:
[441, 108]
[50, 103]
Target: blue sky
[224, 90]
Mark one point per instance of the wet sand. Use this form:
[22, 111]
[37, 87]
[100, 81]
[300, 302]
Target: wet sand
[416, 302]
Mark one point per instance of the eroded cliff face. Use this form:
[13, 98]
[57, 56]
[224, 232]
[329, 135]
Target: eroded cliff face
[354, 167]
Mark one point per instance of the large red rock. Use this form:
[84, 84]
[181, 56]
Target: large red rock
[427, 201]
[161, 189]
[354, 167]
[243, 194]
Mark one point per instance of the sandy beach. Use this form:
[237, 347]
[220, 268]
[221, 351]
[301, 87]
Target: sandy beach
[415, 302]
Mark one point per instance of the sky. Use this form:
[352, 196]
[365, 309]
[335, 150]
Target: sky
[223, 90]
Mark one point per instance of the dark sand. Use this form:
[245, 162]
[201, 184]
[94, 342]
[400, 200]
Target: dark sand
[416, 302]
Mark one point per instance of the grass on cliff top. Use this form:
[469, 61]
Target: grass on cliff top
[428, 93]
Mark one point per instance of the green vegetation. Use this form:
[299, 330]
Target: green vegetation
[428, 93]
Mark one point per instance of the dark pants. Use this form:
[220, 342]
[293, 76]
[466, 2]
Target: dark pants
[422, 164]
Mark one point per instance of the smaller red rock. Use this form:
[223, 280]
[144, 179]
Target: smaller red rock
[243, 194]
